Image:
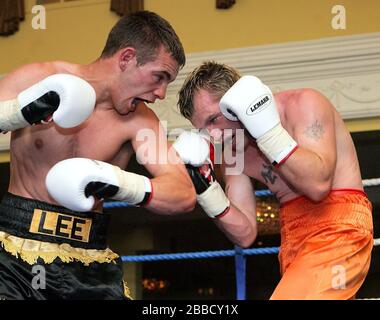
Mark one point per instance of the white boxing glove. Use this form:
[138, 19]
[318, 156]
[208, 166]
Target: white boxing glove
[69, 99]
[194, 150]
[75, 183]
[252, 103]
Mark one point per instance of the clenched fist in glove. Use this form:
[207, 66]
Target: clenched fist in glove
[75, 184]
[67, 99]
[194, 150]
[252, 103]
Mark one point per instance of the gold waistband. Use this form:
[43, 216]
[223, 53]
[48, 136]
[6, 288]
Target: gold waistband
[30, 250]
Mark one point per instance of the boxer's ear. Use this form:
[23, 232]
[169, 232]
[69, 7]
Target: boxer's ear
[126, 56]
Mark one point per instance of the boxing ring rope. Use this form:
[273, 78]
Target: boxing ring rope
[258, 193]
[238, 252]
[240, 261]
[200, 254]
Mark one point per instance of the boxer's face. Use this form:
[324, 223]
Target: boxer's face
[143, 83]
[207, 115]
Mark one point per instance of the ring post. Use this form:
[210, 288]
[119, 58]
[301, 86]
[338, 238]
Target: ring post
[240, 273]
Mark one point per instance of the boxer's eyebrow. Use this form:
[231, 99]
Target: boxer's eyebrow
[167, 75]
[164, 75]
[210, 118]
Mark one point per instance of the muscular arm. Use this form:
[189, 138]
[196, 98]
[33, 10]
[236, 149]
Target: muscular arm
[310, 169]
[173, 191]
[239, 224]
[23, 77]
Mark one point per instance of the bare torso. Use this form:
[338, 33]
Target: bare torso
[34, 150]
[347, 171]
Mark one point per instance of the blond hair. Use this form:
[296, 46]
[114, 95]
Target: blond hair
[214, 77]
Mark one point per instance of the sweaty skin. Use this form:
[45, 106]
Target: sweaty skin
[325, 159]
[326, 144]
[110, 134]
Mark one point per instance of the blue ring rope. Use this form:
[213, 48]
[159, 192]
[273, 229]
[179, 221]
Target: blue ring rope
[123, 204]
[197, 255]
[238, 252]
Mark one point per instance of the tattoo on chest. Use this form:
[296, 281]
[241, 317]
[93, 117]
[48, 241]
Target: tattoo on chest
[268, 175]
[315, 131]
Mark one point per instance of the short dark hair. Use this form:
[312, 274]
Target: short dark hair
[214, 77]
[145, 31]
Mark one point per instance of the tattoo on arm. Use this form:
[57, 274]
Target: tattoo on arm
[268, 175]
[315, 131]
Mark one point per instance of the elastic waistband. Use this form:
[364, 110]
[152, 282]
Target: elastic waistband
[37, 220]
[334, 192]
[340, 206]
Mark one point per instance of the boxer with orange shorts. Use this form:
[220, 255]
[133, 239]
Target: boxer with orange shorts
[329, 242]
[296, 143]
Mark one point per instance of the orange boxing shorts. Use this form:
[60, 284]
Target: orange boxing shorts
[325, 246]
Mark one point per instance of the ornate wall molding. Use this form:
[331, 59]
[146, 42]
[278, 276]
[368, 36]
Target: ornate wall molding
[345, 69]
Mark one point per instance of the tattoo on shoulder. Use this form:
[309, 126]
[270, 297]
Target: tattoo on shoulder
[268, 175]
[315, 130]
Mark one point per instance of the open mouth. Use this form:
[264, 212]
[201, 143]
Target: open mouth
[136, 101]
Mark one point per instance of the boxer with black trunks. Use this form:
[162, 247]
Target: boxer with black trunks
[59, 111]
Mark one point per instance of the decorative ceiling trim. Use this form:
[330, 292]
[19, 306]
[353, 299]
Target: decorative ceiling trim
[346, 69]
